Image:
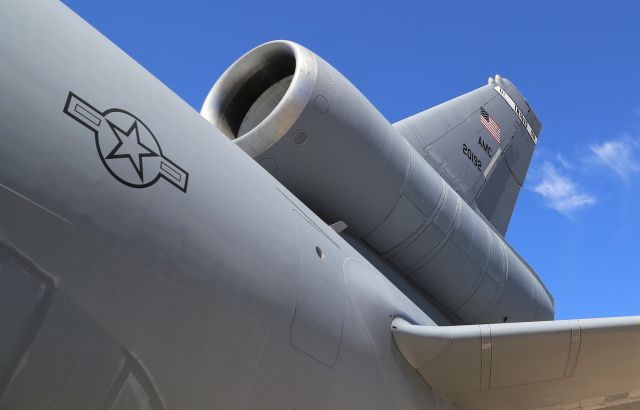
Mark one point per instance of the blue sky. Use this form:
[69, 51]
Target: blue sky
[577, 221]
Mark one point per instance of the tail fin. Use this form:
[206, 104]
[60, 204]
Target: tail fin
[481, 143]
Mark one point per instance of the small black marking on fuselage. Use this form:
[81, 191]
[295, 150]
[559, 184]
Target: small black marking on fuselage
[472, 157]
[127, 148]
[485, 146]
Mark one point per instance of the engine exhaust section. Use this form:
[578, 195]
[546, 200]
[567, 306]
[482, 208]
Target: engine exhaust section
[319, 136]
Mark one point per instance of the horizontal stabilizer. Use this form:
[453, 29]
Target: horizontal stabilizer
[586, 363]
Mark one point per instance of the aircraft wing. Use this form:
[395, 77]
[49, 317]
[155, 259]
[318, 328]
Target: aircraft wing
[565, 364]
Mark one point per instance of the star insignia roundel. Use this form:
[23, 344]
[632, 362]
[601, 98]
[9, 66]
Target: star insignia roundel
[127, 147]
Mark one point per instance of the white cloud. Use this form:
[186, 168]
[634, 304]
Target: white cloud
[563, 161]
[620, 155]
[560, 192]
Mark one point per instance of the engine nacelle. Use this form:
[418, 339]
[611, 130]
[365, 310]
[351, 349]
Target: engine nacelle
[317, 134]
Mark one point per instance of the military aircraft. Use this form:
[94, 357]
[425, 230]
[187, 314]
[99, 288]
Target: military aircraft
[286, 248]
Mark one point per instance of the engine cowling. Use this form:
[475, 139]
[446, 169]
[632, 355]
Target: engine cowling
[317, 134]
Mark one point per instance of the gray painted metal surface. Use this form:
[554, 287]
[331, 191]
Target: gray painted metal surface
[205, 294]
[340, 156]
[146, 262]
[492, 170]
[511, 365]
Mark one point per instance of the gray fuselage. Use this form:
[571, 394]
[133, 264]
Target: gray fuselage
[221, 292]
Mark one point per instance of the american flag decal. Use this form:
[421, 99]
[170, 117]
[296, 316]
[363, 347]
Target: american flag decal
[490, 125]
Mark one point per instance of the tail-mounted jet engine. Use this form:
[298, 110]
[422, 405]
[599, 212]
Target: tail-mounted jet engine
[319, 136]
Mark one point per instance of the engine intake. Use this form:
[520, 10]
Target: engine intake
[270, 87]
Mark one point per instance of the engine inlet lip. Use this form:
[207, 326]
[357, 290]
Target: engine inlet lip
[243, 82]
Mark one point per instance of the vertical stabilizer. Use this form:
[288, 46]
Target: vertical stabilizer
[481, 143]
